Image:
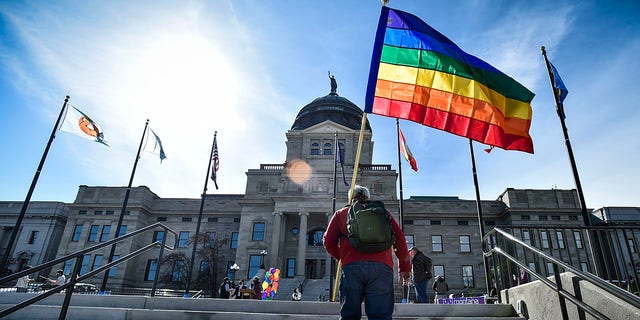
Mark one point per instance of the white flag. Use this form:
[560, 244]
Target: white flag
[76, 122]
[154, 145]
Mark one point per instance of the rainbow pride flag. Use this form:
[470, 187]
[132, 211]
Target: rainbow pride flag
[420, 75]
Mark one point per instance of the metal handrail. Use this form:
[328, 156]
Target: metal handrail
[75, 278]
[600, 283]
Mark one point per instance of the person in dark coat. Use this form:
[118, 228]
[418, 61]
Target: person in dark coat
[421, 274]
[440, 287]
[257, 288]
[225, 288]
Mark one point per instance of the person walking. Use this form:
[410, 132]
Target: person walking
[23, 282]
[365, 276]
[440, 287]
[421, 267]
[225, 288]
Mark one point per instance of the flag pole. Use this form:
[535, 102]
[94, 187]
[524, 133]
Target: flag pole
[195, 239]
[354, 177]
[124, 207]
[576, 177]
[16, 229]
[333, 206]
[479, 209]
[400, 177]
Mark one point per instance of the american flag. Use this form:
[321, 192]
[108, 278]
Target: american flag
[216, 162]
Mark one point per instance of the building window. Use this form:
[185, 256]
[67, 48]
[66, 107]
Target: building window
[97, 262]
[314, 238]
[204, 270]
[532, 267]
[77, 232]
[632, 245]
[328, 149]
[158, 236]
[150, 271]
[110, 213]
[114, 270]
[104, 236]
[93, 233]
[525, 217]
[435, 222]
[236, 220]
[490, 223]
[467, 277]
[438, 270]
[33, 236]
[408, 222]
[578, 237]
[84, 267]
[82, 212]
[187, 219]
[436, 243]
[263, 186]
[178, 271]
[465, 244]
[98, 212]
[526, 236]
[67, 266]
[230, 273]
[544, 239]
[214, 219]
[555, 217]
[549, 268]
[254, 265]
[410, 241]
[463, 222]
[234, 240]
[161, 219]
[573, 218]
[315, 149]
[377, 188]
[543, 218]
[122, 231]
[560, 237]
[584, 266]
[211, 240]
[291, 268]
[183, 239]
[258, 231]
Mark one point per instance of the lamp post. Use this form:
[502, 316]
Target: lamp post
[262, 254]
[234, 268]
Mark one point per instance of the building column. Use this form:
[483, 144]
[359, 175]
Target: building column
[274, 252]
[302, 244]
[327, 269]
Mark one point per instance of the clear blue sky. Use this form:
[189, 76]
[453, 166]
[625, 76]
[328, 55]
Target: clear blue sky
[245, 69]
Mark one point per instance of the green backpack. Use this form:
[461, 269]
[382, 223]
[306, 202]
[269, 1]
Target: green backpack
[369, 227]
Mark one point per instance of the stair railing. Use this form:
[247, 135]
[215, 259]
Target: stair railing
[492, 249]
[75, 277]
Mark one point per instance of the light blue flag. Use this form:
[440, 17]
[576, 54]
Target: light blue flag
[154, 145]
[561, 89]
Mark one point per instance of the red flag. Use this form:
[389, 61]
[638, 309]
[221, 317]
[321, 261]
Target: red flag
[404, 148]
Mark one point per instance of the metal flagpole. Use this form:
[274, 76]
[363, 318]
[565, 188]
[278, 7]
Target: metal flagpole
[333, 209]
[195, 239]
[124, 207]
[16, 229]
[400, 176]
[576, 177]
[479, 209]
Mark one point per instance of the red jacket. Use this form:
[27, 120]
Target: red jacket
[338, 246]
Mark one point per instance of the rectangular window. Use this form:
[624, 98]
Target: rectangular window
[532, 266]
[543, 218]
[573, 218]
[187, 219]
[93, 233]
[291, 268]
[82, 212]
[212, 219]
[525, 217]
[490, 222]
[544, 239]
[467, 277]
[436, 243]
[234, 240]
[258, 231]
[110, 213]
[204, 270]
[555, 217]
[584, 266]
[67, 266]
[211, 240]
[463, 222]
[158, 236]
[632, 245]
[465, 244]
[435, 222]
[526, 237]
[114, 270]
[410, 241]
[560, 237]
[150, 271]
[183, 239]
[161, 219]
[236, 220]
[178, 271]
[254, 265]
[122, 231]
[408, 222]
[438, 270]
[98, 212]
[104, 236]
[97, 262]
[549, 268]
[33, 236]
[77, 232]
[578, 237]
[86, 259]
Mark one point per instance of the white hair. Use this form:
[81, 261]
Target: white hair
[359, 193]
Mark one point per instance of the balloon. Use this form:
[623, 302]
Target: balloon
[265, 285]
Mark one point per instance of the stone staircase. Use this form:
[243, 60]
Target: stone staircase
[97, 307]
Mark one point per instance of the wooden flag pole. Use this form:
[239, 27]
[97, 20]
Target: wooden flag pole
[354, 177]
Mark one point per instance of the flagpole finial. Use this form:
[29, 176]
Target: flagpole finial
[543, 49]
[385, 2]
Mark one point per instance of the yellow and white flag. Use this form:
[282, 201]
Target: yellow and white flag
[78, 123]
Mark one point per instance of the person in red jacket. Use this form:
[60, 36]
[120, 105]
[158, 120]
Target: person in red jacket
[365, 277]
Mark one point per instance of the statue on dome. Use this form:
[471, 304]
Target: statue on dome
[334, 84]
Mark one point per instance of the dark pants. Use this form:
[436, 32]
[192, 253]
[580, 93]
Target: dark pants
[421, 291]
[368, 281]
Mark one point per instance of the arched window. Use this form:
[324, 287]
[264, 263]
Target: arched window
[314, 237]
[327, 150]
[315, 149]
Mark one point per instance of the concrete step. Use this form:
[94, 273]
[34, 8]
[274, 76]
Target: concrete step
[160, 308]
